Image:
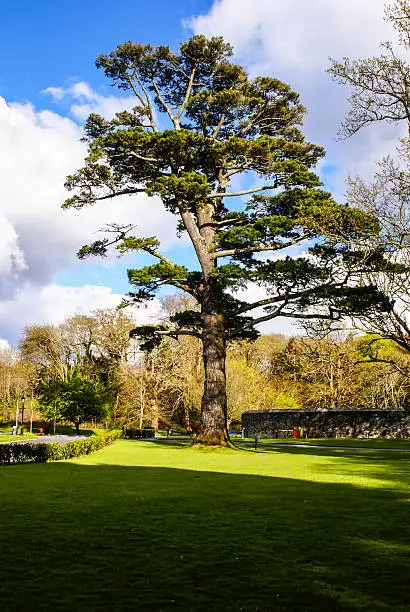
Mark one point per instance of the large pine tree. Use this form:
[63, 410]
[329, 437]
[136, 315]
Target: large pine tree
[200, 121]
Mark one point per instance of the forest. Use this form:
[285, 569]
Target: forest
[162, 388]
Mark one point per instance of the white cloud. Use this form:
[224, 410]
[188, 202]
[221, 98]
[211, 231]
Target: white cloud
[11, 255]
[4, 345]
[38, 240]
[293, 40]
[86, 101]
[300, 35]
[53, 303]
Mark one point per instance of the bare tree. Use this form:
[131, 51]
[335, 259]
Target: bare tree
[387, 199]
[381, 92]
[380, 85]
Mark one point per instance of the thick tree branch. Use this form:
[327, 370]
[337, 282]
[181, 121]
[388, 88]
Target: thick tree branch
[273, 247]
[134, 89]
[218, 127]
[403, 371]
[83, 200]
[165, 105]
[183, 287]
[148, 102]
[187, 95]
[333, 316]
[148, 159]
[197, 240]
[118, 193]
[239, 193]
[286, 297]
[158, 256]
[238, 169]
[172, 333]
[252, 121]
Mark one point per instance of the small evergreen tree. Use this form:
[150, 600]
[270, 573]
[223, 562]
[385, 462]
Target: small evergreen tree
[78, 399]
[200, 122]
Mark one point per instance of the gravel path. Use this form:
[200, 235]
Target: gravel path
[44, 440]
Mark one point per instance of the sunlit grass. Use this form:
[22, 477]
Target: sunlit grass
[156, 526]
[11, 438]
[364, 443]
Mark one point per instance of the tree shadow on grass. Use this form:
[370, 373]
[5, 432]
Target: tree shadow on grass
[103, 537]
[172, 442]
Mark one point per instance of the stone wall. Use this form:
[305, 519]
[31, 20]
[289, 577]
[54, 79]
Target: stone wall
[327, 423]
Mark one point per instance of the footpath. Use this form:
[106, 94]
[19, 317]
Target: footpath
[44, 440]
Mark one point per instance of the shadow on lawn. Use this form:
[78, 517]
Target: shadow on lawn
[172, 442]
[103, 537]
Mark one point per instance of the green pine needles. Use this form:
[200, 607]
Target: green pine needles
[200, 122]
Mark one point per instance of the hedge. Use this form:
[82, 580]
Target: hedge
[29, 452]
[146, 432]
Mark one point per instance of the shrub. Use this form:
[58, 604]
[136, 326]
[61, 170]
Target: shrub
[146, 432]
[28, 452]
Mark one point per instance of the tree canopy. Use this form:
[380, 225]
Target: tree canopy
[226, 155]
[77, 399]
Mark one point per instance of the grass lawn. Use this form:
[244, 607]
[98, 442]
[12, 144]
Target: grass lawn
[396, 443]
[11, 438]
[155, 526]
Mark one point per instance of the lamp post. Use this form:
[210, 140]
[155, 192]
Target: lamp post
[15, 428]
[23, 399]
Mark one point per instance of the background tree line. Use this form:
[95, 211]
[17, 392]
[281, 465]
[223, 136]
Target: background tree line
[89, 369]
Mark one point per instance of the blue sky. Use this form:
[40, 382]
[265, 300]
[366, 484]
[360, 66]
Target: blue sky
[49, 45]
[56, 42]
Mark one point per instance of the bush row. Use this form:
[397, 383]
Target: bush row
[29, 452]
[147, 432]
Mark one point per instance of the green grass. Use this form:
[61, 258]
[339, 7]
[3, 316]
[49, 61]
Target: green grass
[155, 526]
[396, 443]
[10, 438]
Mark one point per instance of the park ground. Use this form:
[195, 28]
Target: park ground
[159, 526]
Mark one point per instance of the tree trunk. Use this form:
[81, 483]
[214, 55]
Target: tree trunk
[141, 404]
[154, 414]
[214, 405]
